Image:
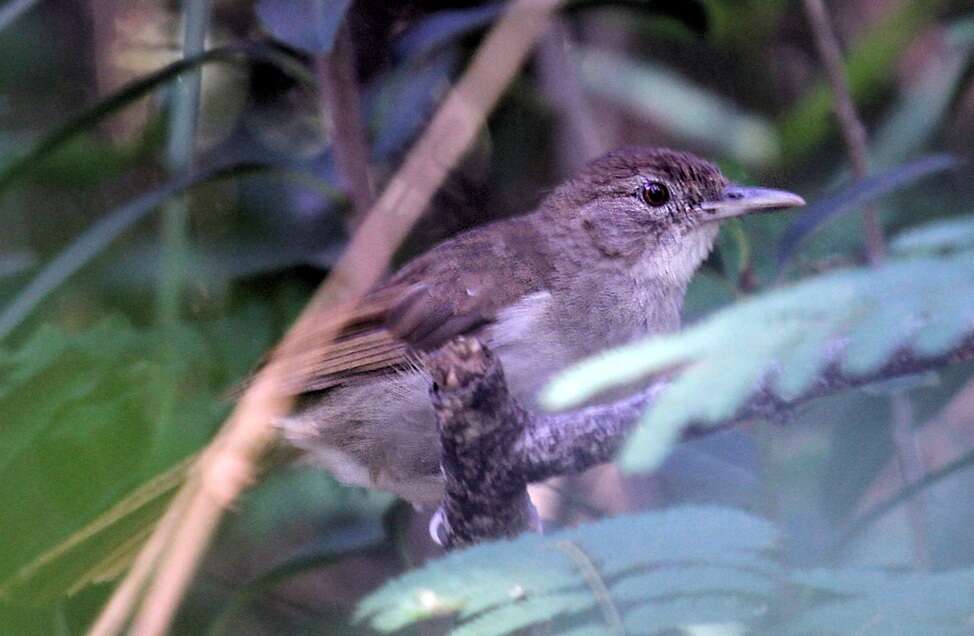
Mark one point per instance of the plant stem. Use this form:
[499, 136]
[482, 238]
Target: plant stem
[179, 160]
[174, 239]
[906, 494]
[912, 471]
[340, 99]
[853, 132]
[579, 137]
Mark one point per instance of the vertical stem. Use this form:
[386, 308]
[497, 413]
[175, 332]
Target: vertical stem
[579, 138]
[850, 126]
[912, 470]
[174, 232]
[340, 96]
[854, 135]
[179, 159]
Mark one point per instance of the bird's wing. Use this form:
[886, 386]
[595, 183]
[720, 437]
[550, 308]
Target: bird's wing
[346, 342]
[457, 288]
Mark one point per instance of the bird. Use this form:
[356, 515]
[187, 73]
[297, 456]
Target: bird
[603, 260]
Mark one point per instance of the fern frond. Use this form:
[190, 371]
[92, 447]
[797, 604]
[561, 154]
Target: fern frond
[872, 602]
[694, 557]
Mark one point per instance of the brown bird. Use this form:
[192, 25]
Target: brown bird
[604, 260]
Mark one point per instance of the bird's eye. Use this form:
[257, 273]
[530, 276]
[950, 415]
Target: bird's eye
[655, 194]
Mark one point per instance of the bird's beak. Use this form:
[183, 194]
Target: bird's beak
[740, 200]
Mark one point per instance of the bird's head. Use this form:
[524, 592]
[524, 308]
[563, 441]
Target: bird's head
[639, 201]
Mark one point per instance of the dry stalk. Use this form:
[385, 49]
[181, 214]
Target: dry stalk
[228, 465]
[340, 98]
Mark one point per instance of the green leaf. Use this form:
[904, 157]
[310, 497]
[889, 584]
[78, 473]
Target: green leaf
[81, 440]
[680, 107]
[430, 33]
[653, 618]
[693, 552]
[99, 551]
[19, 165]
[307, 25]
[873, 603]
[13, 10]
[696, 570]
[691, 14]
[45, 362]
[939, 237]
[514, 616]
[854, 196]
[922, 108]
[102, 233]
[868, 68]
[691, 579]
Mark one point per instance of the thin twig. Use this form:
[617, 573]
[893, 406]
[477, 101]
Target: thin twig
[340, 96]
[574, 441]
[179, 159]
[590, 573]
[941, 439]
[579, 138]
[905, 494]
[853, 132]
[911, 470]
[228, 465]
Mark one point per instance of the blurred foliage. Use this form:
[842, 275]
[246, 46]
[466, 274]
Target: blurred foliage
[682, 108]
[702, 565]
[704, 570]
[84, 407]
[308, 26]
[869, 66]
[100, 405]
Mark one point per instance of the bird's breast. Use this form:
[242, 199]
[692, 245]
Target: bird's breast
[547, 332]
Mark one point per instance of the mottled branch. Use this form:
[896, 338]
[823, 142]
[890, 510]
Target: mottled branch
[493, 447]
[479, 424]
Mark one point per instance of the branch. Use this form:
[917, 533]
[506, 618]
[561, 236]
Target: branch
[479, 423]
[853, 132]
[340, 92]
[492, 447]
